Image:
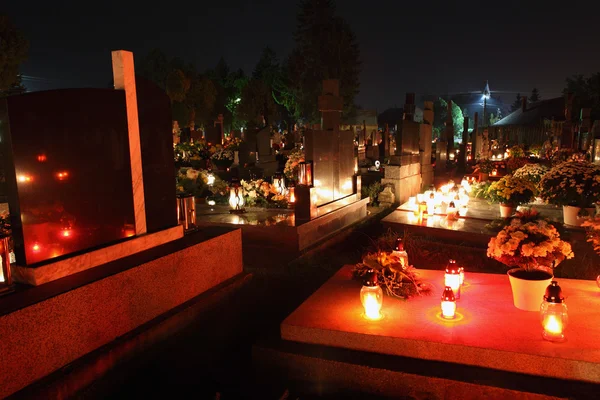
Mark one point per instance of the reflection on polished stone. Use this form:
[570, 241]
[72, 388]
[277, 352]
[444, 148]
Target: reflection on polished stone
[253, 216]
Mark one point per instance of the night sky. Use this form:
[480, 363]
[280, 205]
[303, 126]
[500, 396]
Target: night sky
[423, 47]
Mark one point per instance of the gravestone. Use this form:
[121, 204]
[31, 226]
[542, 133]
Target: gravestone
[196, 135]
[404, 171]
[426, 135]
[244, 154]
[263, 142]
[266, 158]
[332, 154]
[213, 135]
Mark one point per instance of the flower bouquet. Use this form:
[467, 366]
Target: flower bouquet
[261, 193]
[533, 246]
[222, 157]
[573, 185]
[191, 154]
[295, 157]
[232, 143]
[187, 182]
[396, 279]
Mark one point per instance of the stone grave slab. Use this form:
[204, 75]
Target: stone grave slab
[489, 332]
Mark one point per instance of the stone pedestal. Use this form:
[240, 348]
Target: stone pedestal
[387, 197]
[405, 179]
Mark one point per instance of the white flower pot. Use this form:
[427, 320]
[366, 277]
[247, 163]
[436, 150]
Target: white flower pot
[570, 216]
[506, 210]
[528, 294]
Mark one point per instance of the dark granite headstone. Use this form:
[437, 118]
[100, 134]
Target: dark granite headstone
[263, 141]
[213, 134]
[67, 170]
[154, 114]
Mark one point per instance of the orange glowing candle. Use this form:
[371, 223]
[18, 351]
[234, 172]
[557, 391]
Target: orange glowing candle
[554, 314]
[371, 296]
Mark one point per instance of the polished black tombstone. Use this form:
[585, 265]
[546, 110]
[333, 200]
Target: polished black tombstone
[68, 173]
[156, 140]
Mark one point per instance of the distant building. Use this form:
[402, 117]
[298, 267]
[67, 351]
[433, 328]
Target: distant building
[532, 123]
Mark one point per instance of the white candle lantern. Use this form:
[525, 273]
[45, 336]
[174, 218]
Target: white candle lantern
[371, 296]
[452, 278]
[554, 314]
[236, 198]
[279, 183]
[448, 303]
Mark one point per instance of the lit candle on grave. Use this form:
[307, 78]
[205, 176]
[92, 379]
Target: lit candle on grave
[452, 278]
[448, 303]
[554, 314]
[371, 296]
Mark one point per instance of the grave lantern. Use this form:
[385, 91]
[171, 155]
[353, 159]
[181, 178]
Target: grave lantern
[291, 194]
[448, 303]
[431, 204]
[553, 314]
[236, 198]
[305, 176]
[371, 296]
[451, 209]
[401, 253]
[210, 179]
[452, 278]
[422, 209]
[279, 182]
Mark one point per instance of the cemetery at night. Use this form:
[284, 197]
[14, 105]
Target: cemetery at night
[276, 201]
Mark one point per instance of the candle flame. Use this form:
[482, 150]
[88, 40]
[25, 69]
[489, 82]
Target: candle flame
[553, 325]
[372, 306]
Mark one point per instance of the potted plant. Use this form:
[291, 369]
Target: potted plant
[509, 192]
[485, 166]
[532, 246]
[534, 174]
[574, 185]
[222, 158]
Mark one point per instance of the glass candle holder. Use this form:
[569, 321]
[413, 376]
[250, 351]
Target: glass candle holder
[448, 303]
[554, 314]
[236, 198]
[371, 296]
[452, 278]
